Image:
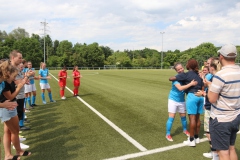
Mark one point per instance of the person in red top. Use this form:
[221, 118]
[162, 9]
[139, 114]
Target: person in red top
[62, 75]
[76, 80]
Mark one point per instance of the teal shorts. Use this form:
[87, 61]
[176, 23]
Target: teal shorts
[194, 104]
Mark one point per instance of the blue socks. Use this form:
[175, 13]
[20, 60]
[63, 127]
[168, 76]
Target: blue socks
[33, 99]
[50, 96]
[169, 125]
[184, 123]
[29, 101]
[43, 96]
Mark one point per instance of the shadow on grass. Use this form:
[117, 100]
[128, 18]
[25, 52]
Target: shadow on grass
[50, 137]
[179, 130]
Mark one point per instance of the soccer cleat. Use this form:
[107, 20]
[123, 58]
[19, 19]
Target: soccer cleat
[208, 155]
[197, 140]
[52, 101]
[63, 97]
[44, 102]
[189, 143]
[186, 133]
[169, 138]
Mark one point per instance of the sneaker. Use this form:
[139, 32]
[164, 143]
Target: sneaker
[23, 146]
[63, 97]
[24, 128]
[186, 133]
[27, 110]
[21, 139]
[197, 140]
[208, 155]
[169, 138]
[215, 156]
[189, 143]
[44, 102]
[34, 105]
[52, 101]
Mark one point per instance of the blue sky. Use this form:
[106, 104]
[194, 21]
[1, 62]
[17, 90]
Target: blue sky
[128, 24]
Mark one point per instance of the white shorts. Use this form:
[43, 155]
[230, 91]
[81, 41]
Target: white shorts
[29, 88]
[206, 120]
[44, 86]
[174, 106]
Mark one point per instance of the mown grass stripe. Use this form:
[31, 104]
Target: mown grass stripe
[120, 131]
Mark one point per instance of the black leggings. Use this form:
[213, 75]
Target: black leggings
[20, 108]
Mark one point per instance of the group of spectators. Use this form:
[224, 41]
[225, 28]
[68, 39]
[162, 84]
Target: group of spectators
[215, 91]
[18, 96]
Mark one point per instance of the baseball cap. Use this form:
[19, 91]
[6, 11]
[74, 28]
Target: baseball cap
[228, 50]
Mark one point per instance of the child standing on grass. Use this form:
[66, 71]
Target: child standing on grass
[76, 80]
[43, 76]
[176, 103]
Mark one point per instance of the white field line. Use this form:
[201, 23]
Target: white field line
[153, 151]
[120, 131]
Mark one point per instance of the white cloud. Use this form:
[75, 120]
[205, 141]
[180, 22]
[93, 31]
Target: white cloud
[128, 24]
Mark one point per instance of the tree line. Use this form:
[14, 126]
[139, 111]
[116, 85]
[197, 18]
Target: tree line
[64, 53]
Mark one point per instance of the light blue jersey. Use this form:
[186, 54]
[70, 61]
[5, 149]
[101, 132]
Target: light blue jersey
[31, 78]
[24, 70]
[209, 78]
[2, 86]
[175, 94]
[43, 73]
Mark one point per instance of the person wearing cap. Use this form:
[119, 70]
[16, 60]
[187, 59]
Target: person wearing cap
[224, 96]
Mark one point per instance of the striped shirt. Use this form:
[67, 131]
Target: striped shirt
[227, 84]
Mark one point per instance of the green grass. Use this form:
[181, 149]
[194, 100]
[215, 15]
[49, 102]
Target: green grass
[134, 100]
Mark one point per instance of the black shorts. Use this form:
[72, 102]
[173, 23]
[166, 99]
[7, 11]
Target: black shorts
[223, 134]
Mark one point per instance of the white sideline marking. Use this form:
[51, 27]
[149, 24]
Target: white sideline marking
[157, 150]
[120, 131]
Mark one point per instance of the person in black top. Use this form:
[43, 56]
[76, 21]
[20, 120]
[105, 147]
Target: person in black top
[194, 104]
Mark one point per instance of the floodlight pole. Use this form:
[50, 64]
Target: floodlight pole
[44, 34]
[162, 50]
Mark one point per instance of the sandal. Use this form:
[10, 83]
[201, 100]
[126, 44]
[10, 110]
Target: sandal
[14, 157]
[26, 153]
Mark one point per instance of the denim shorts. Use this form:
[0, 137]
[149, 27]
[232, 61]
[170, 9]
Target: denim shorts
[6, 114]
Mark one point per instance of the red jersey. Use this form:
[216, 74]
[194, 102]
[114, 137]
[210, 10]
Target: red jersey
[76, 74]
[62, 74]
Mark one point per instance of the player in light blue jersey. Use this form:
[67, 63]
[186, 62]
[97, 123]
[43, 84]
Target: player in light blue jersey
[30, 88]
[176, 103]
[43, 76]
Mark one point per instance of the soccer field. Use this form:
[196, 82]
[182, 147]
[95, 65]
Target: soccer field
[120, 114]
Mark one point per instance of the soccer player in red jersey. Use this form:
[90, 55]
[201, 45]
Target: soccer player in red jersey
[62, 75]
[76, 80]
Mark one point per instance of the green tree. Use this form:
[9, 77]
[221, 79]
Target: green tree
[30, 49]
[3, 35]
[18, 34]
[95, 56]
